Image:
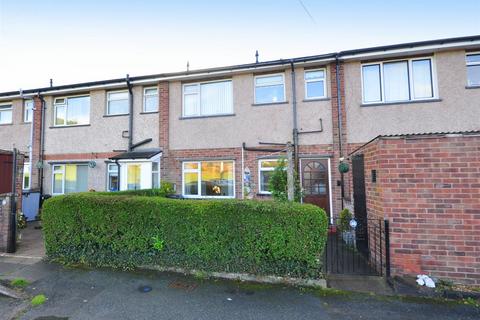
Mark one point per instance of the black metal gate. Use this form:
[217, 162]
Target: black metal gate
[346, 252]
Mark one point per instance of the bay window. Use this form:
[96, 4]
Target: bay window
[69, 178]
[5, 114]
[397, 81]
[208, 179]
[71, 111]
[207, 99]
[117, 103]
[269, 89]
[315, 87]
[473, 69]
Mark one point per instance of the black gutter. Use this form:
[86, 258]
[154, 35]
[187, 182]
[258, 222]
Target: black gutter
[130, 114]
[278, 62]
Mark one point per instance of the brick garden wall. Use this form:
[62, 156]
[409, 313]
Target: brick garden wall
[429, 189]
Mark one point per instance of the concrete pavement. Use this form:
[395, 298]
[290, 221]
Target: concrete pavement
[107, 294]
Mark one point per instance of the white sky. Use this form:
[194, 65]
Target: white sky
[77, 41]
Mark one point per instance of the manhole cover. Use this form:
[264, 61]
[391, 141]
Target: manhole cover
[187, 286]
[144, 289]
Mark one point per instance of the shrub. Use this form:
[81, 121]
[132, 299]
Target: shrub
[123, 231]
[278, 183]
[19, 282]
[345, 217]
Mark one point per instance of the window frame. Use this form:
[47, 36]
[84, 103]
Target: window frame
[198, 171]
[316, 80]
[27, 169]
[145, 95]
[433, 80]
[54, 171]
[467, 64]
[266, 76]
[199, 98]
[109, 171]
[65, 104]
[25, 110]
[157, 172]
[7, 107]
[260, 191]
[108, 102]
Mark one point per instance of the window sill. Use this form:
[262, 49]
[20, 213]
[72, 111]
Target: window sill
[472, 87]
[263, 194]
[115, 115]
[207, 197]
[316, 99]
[268, 104]
[148, 112]
[6, 124]
[212, 116]
[72, 126]
[399, 102]
[24, 122]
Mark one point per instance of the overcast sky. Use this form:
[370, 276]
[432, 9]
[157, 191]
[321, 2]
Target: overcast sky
[87, 40]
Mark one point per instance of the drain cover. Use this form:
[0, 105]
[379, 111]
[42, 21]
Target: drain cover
[187, 286]
[144, 289]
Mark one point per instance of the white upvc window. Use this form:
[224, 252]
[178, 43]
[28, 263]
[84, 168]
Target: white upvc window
[270, 88]
[26, 176]
[112, 177]
[71, 111]
[208, 179]
[6, 114]
[315, 84]
[265, 171]
[208, 98]
[150, 99]
[398, 81]
[117, 102]
[473, 69]
[155, 174]
[69, 178]
[28, 111]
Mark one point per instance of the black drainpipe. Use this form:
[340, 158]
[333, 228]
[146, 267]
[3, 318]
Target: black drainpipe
[118, 174]
[339, 115]
[42, 144]
[130, 114]
[295, 121]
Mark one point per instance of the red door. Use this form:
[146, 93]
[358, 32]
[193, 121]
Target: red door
[315, 183]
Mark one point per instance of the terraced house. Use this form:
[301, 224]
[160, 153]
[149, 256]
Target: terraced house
[219, 132]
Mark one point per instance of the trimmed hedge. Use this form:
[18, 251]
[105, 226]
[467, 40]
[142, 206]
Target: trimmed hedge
[125, 231]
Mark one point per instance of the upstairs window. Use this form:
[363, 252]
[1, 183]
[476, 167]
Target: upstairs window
[207, 99]
[28, 111]
[269, 89]
[150, 99]
[5, 114]
[117, 103]
[315, 84]
[473, 69]
[71, 111]
[397, 81]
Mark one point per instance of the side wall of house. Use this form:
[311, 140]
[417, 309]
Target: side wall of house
[429, 189]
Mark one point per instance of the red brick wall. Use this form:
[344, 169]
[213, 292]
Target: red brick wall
[429, 189]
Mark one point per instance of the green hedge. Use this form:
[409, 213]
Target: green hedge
[126, 231]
